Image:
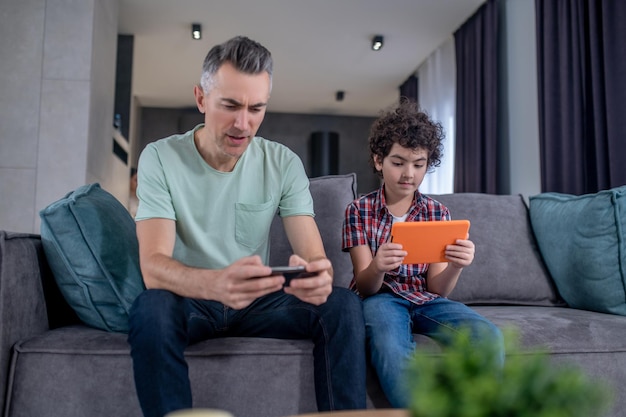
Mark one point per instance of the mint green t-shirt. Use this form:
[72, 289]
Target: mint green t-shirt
[220, 216]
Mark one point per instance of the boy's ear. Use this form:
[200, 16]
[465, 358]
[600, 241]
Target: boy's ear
[378, 162]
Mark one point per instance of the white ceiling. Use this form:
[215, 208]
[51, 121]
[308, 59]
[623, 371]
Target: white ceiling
[318, 46]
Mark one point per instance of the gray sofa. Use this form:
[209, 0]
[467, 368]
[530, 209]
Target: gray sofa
[52, 365]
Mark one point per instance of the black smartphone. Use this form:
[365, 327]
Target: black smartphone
[291, 272]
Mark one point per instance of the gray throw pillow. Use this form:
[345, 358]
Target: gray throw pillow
[89, 240]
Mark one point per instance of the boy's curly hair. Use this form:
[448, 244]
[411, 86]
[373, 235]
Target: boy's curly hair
[410, 127]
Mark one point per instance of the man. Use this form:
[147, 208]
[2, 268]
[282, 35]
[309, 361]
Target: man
[207, 199]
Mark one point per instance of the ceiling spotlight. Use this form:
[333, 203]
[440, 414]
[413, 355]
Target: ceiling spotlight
[377, 42]
[196, 31]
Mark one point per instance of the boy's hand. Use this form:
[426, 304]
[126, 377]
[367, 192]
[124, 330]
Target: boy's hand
[388, 257]
[460, 254]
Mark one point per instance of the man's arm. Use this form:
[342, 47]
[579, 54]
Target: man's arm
[231, 286]
[308, 248]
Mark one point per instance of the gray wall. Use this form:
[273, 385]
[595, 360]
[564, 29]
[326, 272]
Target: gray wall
[57, 69]
[292, 130]
[518, 98]
[519, 127]
[57, 81]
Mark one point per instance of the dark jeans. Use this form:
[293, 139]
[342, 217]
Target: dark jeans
[163, 324]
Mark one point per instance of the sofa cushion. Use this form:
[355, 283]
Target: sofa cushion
[507, 266]
[88, 373]
[582, 242]
[90, 244]
[331, 195]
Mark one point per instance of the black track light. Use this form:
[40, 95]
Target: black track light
[196, 31]
[377, 42]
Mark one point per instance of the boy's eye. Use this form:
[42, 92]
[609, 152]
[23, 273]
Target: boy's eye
[397, 164]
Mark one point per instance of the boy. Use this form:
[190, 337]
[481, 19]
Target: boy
[398, 299]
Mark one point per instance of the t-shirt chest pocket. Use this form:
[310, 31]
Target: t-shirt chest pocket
[253, 222]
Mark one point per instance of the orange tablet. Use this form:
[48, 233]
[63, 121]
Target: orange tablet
[425, 241]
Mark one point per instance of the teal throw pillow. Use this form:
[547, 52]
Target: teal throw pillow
[90, 244]
[582, 240]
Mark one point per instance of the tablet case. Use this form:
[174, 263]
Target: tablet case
[425, 241]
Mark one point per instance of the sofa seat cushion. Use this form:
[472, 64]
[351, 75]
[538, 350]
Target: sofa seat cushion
[95, 367]
[89, 240]
[561, 330]
[84, 340]
[583, 242]
[592, 341]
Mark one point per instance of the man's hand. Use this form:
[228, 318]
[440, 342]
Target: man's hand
[242, 282]
[315, 289]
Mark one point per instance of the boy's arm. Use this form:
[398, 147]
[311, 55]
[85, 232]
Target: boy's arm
[441, 278]
[369, 271]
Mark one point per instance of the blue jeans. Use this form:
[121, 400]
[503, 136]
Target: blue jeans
[163, 324]
[390, 322]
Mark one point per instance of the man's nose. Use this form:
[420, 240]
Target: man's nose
[241, 121]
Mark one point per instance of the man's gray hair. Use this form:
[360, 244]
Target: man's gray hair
[243, 53]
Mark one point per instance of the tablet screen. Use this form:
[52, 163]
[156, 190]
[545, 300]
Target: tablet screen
[426, 241]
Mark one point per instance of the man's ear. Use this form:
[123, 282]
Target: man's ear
[198, 93]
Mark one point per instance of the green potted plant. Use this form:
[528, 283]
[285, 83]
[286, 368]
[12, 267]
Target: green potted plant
[463, 383]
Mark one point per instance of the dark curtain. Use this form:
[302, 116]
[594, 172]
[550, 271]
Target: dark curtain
[581, 48]
[409, 88]
[476, 47]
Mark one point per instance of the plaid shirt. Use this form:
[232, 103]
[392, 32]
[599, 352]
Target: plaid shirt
[368, 222]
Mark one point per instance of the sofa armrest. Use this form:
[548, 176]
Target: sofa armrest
[25, 282]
